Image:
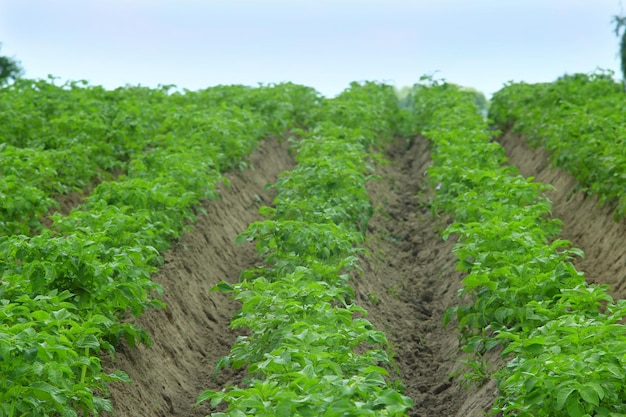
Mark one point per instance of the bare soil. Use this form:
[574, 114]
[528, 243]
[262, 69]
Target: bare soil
[409, 281]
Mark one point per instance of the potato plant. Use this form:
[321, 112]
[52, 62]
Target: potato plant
[65, 290]
[564, 339]
[310, 351]
[579, 120]
[66, 138]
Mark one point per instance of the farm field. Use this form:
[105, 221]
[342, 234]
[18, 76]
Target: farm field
[364, 336]
[590, 226]
[404, 287]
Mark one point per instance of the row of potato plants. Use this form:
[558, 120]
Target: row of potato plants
[66, 138]
[65, 291]
[564, 340]
[61, 139]
[309, 350]
[579, 120]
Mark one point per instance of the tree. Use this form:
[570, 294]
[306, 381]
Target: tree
[10, 69]
[620, 23]
[479, 99]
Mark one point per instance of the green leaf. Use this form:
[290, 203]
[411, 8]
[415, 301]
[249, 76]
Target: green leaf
[448, 315]
[223, 287]
[284, 408]
[120, 376]
[88, 341]
[340, 408]
[102, 404]
[308, 371]
[597, 388]
[214, 396]
[615, 370]
[478, 280]
[574, 408]
[389, 397]
[40, 315]
[562, 395]
[47, 392]
[375, 369]
[283, 359]
[589, 394]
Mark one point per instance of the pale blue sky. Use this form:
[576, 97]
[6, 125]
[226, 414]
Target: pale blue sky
[323, 44]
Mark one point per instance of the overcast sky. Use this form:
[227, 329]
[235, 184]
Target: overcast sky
[321, 43]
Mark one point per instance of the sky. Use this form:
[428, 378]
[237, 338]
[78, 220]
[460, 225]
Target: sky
[325, 44]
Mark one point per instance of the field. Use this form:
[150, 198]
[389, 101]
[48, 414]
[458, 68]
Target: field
[398, 265]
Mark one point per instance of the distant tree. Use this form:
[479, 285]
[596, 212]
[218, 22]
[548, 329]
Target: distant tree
[620, 24]
[479, 99]
[10, 69]
[406, 95]
[403, 93]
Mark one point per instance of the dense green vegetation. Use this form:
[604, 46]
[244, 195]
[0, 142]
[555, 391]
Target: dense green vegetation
[579, 120]
[564, 340]
[58, 139]
[145, 159]
[64, 290]
[310, 351]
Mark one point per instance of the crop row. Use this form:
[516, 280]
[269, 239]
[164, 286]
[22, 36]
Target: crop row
[64, 292]
[309, 351]
[60, 139]
[564, 340]
[579, 120]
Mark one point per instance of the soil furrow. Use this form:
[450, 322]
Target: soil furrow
[409, 280]
[192, 333]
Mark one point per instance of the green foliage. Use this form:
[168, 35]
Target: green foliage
[407, 95]
[479, 98]
[370, 108]
[48, 362]
[308, 349]
[65, 290]
[578, 119]
[571, 366]
[564, 339]
[68, 138]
